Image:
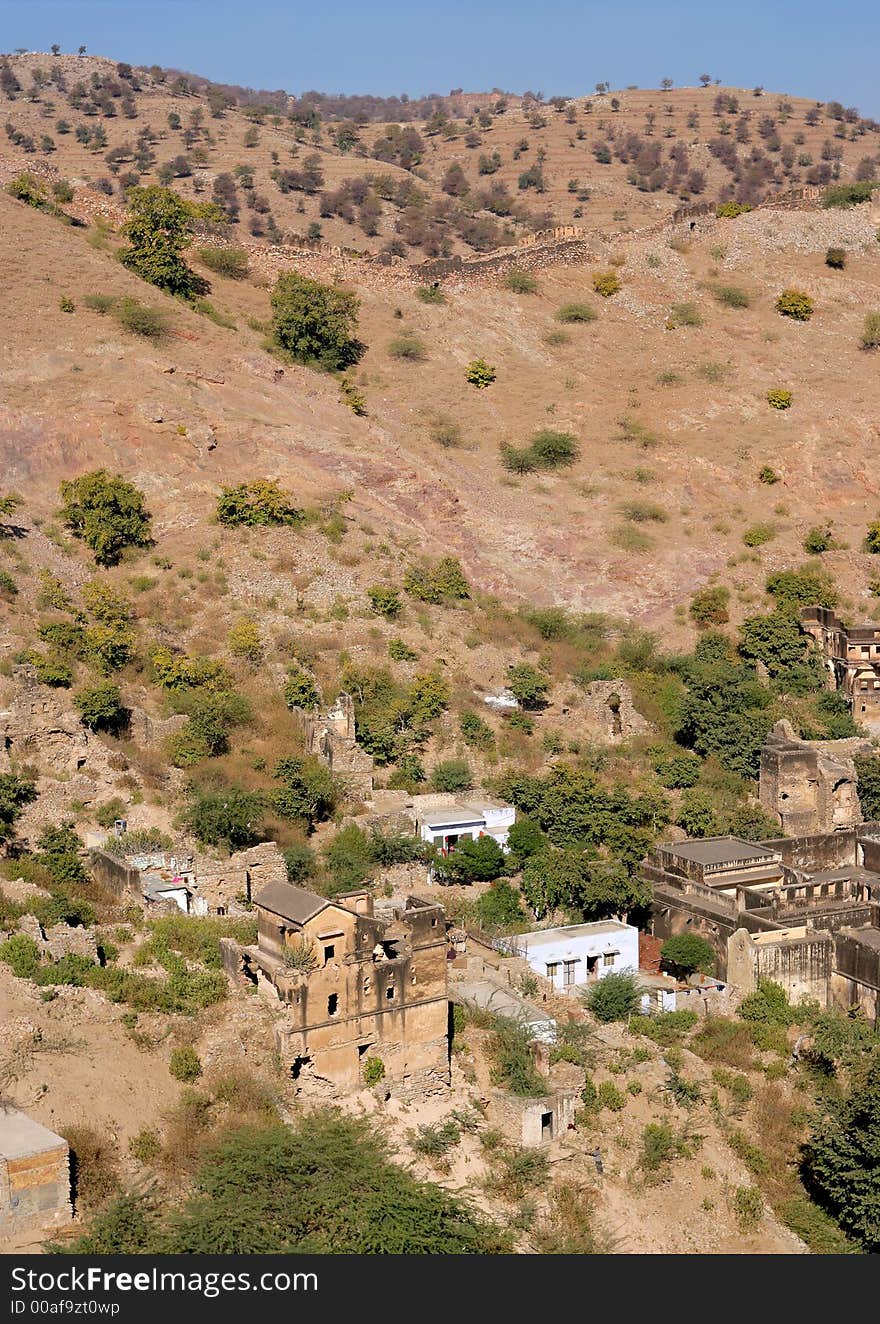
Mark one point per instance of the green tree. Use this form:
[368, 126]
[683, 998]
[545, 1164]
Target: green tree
[807, 586]
[300, 690]
[307, 792]
[101, 707]
[451, 775]
[697, 813]
[792, 661]
[473, 861]
[612, 998]
[107, 513]
[726, 710]
[158, 229]
[867, 784]
[16, 793]
[841, 1162]
[232, 818]
[500, 907]
[527, 685]
[687, 952]
[315, 323]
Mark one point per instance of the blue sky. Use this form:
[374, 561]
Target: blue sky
[802, 47]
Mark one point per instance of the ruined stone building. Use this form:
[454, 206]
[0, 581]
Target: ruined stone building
[356, 984]
[852, 660]
[803, 911]
[810, 785]
[34, 1175]
[331, 737]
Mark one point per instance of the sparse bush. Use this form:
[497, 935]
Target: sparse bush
[684, 314]
[520, 282]
[229, 262]
[480, 374]
[576, 312]
[374, 1071]
[185, 1065]
[779, 398]
[94, 1164]
[732, 296]
[748, 1208]
[836, 258]
[408, 347]
[244, 640]
[152, 323]
[606, 283]
[768, 475]
[795, 304]
[870, 338]
[430, 294]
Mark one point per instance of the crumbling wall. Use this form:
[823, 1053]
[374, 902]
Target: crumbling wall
[800, 960]
[610, 709]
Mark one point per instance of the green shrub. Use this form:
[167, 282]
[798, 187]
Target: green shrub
[667, 1027]
[709, 606]
[107, 513]
[400, 651]
[748, 1208]
[758, 534]
[643, 512]
[385, 601]
[374, 1071]
[576, 312]
[315, 323]
[480, 374]
[610, 1097]
[686, 953]
[730, 210]
[185, 1065]
[779, 398]
[836, 258]
[768, 475]
[145, 1146]
[231, 818]
[51, 669]
[430, 294]
[21, 954]
[158, 229]
[795, 304]
[513, 1066]
[442, 581]
[258, 503]
[660, 1145]
[300, 690]
[848, 195]
[870, 338]
[229, 262]
[500, 908]
[606, 283]
[553, 450]
[819, 540]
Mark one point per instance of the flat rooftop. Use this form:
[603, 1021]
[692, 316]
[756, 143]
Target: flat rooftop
[453, 817]
[20, 1135]
[718, 850]
[567, 931]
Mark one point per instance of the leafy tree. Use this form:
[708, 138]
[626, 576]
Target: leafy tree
[613, 998]
[308, 791]
[687, 952]
[300, 690]
[473, 861]
[807, 586]
[527, 685]
[315, 323]
[792, 661]
[524, 839]
[158, 229]
[232, 818]
[107, 513]
[325, 1185]
[840, 1163]
[101, 708]
[257, 503]
[452, 775]
[868, 785]
[697, 813]
[500, 907]
[58, 851]
[677, 770]
[299, 861]
[725, 711]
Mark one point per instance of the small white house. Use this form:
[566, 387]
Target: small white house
[448, 825]
[578, 954]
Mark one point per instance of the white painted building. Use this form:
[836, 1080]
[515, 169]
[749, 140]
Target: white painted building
[578, 954]
[447, 825]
